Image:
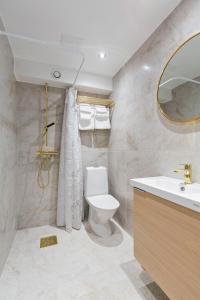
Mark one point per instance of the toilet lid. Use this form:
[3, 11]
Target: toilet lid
[103, 201]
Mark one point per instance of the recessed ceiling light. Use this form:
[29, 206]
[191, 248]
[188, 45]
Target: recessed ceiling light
[102, 55]
[146, 67]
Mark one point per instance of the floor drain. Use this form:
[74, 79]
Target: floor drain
[48, 241]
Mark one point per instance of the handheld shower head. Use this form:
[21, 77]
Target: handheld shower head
[46, 128]
[51, 124]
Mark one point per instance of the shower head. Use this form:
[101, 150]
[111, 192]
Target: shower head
[49, 125]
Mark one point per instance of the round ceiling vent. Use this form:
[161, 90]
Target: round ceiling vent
[57, 74]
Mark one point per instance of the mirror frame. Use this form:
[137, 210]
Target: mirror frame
[186, 121]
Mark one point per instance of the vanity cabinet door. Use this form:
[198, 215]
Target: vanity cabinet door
[167, 244]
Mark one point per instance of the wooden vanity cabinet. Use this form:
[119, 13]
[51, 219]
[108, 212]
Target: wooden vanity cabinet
[167, 244]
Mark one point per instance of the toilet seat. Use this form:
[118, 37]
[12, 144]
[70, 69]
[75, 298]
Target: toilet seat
[106, 202]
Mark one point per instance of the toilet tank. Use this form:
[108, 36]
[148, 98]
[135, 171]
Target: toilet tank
[95, 181]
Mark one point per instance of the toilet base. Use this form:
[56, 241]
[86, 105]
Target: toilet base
[99, 221]
[102, 230]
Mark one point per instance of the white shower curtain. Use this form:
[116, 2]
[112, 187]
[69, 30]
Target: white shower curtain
[70, 186]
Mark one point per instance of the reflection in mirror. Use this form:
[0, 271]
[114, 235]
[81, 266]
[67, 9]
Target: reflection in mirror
[179, 86]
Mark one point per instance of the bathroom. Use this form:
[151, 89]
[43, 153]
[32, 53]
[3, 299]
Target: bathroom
[89, 133]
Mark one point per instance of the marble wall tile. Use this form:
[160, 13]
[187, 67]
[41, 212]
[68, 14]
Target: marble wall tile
[95, 148]
[142, 143]
[8, 133]
[38, 206]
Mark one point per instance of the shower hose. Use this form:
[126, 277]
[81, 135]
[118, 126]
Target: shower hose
[42, 164]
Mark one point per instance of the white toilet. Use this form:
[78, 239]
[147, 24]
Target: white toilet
[102, 206]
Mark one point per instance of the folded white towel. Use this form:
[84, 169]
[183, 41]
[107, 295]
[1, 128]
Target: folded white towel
[100, 109]
[86, 108]
[102, 117]
[86, 117]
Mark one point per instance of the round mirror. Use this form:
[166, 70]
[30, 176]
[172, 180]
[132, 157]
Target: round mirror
[178, 95]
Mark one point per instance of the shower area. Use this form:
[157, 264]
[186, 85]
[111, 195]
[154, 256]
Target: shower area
[38, 153]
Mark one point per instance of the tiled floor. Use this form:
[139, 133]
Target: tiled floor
[80, 267]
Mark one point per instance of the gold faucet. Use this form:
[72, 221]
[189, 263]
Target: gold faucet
[187, 173]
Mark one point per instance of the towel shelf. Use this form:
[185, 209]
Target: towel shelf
[95, 101]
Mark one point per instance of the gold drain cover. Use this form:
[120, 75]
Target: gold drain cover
[48, 241]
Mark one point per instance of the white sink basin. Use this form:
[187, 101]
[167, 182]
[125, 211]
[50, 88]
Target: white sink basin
[170, 189]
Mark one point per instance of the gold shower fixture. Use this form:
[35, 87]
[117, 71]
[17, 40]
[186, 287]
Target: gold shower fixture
[45, 153]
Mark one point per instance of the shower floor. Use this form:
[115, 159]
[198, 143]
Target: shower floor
[80, 267]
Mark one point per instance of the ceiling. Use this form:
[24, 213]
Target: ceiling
[118, 27]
